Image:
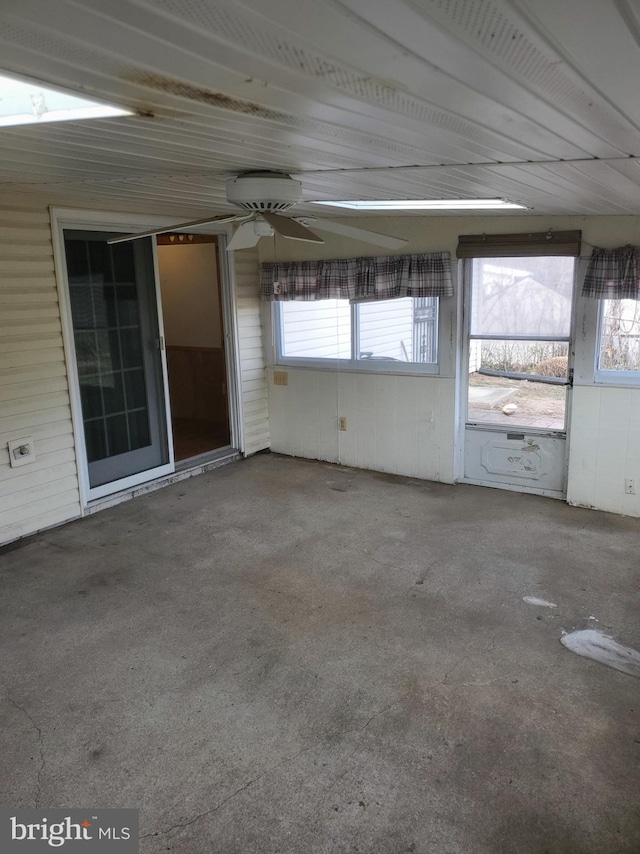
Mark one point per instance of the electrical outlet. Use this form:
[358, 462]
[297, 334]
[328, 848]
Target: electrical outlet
[342, 423]
[630, 486]
[280, 378]
[21, 451]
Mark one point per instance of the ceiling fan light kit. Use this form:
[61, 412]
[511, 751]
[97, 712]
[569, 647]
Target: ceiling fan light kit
[248, 233]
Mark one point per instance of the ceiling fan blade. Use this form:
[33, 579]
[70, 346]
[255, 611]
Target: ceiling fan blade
[178, 227]
[286, 227]
[245, 237]
[362, 234]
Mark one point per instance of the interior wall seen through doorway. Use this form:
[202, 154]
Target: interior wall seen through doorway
[190, 295]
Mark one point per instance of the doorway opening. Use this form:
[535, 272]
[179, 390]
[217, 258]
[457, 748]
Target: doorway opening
[189, 276]
[519, 314]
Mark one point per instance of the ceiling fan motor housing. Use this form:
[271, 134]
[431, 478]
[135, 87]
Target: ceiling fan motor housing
[264, 191]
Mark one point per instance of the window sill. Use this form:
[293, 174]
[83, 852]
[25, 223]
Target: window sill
[346, 366]
[617, 379]
[372, 366]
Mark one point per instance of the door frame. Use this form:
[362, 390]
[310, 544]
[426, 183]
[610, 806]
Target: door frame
[462, 401]
[86, 220]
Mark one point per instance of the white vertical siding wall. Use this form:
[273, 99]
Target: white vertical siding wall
[34, 397]
[252, 360]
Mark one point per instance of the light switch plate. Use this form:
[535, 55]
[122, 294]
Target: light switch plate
[21, 451]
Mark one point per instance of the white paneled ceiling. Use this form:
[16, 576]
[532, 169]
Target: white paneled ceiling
[533, 100]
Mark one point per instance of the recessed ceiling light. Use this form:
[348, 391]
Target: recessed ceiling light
[25, 102]
[426, 205]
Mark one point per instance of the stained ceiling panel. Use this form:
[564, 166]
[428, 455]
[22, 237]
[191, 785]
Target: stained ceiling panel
[533, 100]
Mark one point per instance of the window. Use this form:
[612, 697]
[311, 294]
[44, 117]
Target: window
[619, 343]
[393, 335]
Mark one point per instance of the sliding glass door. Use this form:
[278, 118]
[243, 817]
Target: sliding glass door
[118, 357]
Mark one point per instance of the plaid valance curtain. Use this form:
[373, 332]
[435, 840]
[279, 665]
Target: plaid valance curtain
[375, 278]
[613, 274]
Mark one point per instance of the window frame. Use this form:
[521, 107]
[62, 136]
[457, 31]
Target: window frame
[602, 376]
[369, 366]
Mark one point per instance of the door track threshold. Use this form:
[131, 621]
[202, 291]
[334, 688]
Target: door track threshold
[187, 468]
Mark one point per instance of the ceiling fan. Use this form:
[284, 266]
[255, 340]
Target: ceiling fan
[265, 195]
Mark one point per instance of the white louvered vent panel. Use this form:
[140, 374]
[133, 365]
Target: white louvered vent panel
[44, 43]
[272, 44]
[486, 25]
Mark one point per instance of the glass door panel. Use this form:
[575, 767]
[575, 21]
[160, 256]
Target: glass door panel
[522, 297]
[518, 382]
[118, 360]
[519, 336]
[519, 345]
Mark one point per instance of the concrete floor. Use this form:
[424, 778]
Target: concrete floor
[287, 656]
